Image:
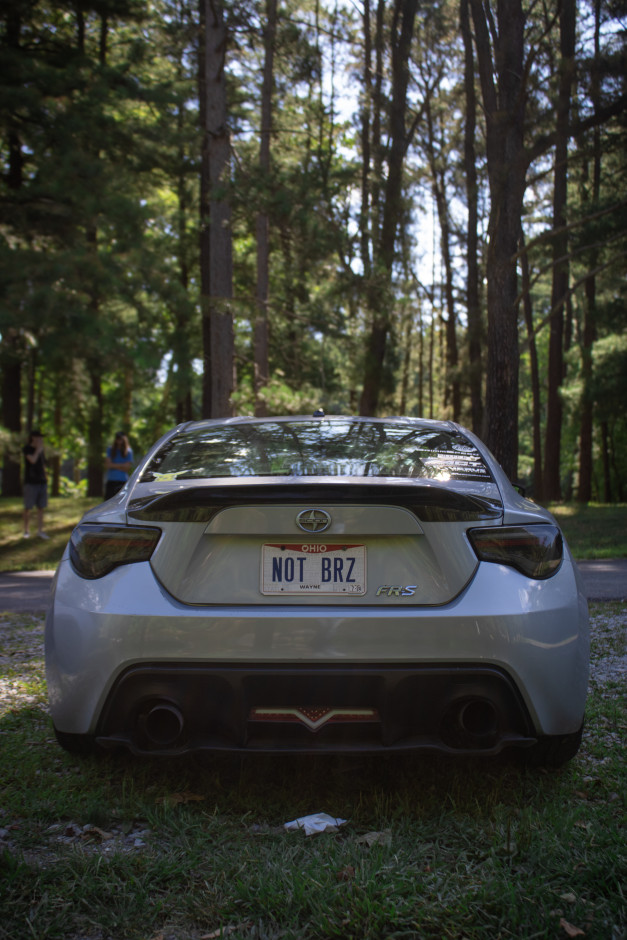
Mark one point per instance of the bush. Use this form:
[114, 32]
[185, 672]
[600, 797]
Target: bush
[68, 487]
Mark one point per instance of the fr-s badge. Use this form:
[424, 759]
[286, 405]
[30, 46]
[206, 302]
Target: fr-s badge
[396, 590]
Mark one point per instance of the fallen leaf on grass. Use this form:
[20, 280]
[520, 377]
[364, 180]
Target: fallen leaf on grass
[376, 838]
[569, 897]
[570, 929]
[185, 797]
[345, 874]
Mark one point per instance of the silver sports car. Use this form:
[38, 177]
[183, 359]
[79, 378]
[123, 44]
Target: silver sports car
[319, 584]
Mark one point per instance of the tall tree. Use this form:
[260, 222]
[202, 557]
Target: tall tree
[216, 235]
[584, 492]
[473, 308]
[452, 392]
[534, 370]
[500, 47]
[11, 351]
[400, 134]
[260, 345]
[559, 292]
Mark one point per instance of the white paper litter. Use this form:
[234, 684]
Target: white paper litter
[317, 822]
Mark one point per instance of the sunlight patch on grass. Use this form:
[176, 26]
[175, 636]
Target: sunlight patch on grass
[35, 554]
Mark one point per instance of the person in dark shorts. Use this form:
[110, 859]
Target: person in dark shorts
[35, 483]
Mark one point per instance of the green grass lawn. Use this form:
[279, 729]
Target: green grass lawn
[593, 531]
[116, 848]
[34, 554]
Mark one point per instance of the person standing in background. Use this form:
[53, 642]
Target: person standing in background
[118, 463]
[35, 482]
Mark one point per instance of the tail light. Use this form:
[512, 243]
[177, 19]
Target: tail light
[95, 550]
[534, 550]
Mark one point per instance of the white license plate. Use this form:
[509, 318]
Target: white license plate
[312, 568]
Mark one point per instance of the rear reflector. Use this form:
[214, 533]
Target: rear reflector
[313, 717]
[534, 550]
[95, 550]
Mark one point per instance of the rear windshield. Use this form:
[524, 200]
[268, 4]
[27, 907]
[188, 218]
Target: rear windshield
[322, 448]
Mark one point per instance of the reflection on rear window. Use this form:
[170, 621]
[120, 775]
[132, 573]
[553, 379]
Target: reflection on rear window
[324, 448]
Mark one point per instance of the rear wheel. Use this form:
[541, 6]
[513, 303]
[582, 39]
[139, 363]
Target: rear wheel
[552, 751]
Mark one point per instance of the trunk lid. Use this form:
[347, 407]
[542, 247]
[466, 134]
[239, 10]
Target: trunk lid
[314, 543]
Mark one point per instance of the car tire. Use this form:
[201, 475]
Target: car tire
[552, 751]
[81, 745]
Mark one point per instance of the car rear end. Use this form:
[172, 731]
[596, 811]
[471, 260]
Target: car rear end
[345, 584]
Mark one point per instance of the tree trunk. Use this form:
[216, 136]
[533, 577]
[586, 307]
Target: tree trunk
[31, 391]
[473, 308]
[379, 301]
[407, 335]
[559, 291]
[95, 440]
[181, 347]
[607, 473]
[452, 388]
[421, 361]
[12, 411]
[431, 387]
[364, 235]
[586, 407]
[55, 460]
[535, 375]
[11, 352]
[216, 235]
[204, 244]
[261, 364]
[586, 404]
[503, 104]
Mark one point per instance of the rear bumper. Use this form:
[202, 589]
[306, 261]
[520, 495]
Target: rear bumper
[171, 709]
[523, 644]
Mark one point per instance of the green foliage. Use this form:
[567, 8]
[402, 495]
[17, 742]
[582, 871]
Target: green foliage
[100, 150]
[610, 374]
[69, 489]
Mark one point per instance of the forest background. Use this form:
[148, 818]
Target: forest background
[268, 206]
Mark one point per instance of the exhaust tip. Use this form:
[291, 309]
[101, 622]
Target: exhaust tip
[161, 724]
[470, 723]
[478, 719]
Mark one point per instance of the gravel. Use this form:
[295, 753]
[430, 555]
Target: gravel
[21, 661]
[608, 650]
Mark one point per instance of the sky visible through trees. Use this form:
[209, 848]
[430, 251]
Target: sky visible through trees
[376, 207]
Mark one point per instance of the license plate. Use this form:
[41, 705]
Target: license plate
[312, 568]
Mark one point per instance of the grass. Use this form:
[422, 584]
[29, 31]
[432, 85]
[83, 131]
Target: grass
[34, 554]
[182, 850]
[592, 531]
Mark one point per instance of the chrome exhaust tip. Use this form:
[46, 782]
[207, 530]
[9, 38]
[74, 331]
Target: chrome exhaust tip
[162, 724]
